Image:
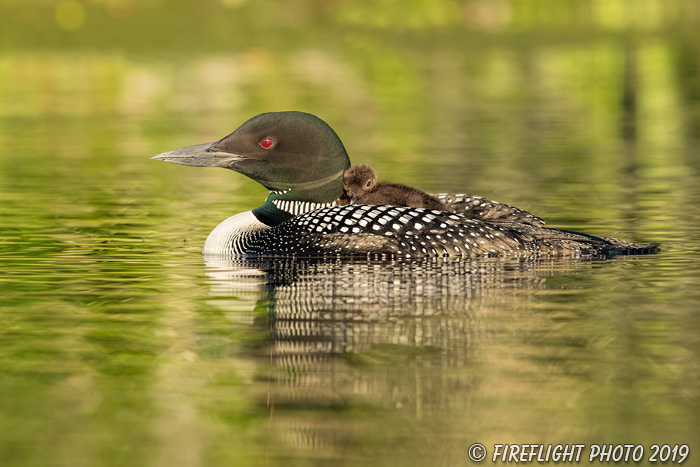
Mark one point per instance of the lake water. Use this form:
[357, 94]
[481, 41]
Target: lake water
[120, 345]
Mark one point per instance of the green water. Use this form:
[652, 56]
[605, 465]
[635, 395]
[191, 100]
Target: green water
[121, 346]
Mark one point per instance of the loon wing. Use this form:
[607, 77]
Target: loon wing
[476, 207]
[393, 231]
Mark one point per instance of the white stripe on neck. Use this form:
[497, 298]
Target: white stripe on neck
[299, 207]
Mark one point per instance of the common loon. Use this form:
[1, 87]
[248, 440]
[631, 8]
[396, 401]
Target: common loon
[300, 160]
[361, 187]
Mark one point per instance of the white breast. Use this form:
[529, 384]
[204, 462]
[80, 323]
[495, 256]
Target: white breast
[227, 237]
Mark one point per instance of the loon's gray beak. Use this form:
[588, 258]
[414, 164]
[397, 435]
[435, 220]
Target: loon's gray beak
[200, 155]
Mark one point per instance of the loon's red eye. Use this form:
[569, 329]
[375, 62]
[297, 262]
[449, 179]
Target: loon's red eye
[267, 143]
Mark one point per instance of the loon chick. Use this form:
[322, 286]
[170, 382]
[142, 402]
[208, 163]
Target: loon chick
[300, 160]
[361, 187]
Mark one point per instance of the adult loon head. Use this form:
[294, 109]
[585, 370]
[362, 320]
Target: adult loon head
[295, 155]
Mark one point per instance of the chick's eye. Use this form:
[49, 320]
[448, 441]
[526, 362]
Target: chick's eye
[267, 143]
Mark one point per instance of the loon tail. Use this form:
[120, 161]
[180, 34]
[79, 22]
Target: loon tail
[622, 247]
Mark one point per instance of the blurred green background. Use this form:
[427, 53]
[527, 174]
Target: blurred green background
[566, 108]
[456, 95]
[115, 348]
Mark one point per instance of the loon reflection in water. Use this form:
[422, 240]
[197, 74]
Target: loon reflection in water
[322, 315]
[331, 332]
[301, 161]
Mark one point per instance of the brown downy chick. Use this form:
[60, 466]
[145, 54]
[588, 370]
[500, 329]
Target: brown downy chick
[361, 187]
